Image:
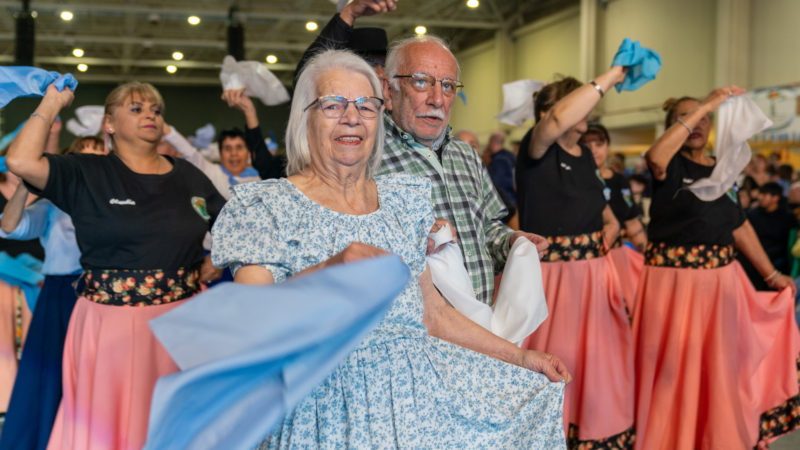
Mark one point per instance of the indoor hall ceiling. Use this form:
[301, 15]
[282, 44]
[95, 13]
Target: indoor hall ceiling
[125, 40]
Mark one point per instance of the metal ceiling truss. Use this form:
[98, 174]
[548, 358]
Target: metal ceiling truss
[126, 40]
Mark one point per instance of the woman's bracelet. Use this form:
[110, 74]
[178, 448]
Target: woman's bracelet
[35, 114]
[599, 89]
[688, 128]
[772, 277]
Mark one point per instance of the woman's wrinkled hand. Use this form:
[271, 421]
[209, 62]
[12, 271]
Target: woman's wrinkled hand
[437, 225]
[547, 364]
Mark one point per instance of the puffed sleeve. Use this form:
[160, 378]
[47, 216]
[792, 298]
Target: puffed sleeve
[247, 231]
[410, 199]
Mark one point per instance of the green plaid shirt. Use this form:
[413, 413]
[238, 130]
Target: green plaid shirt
[463, 194]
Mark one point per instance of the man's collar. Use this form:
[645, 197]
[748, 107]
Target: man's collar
[393, 129]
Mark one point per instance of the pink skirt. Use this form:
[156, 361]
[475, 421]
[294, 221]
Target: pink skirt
[716, 361]
[111, 364]
[588, 329]
[628, 264]
[15, 317]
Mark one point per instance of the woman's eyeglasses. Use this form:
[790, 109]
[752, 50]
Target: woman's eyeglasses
[334, 106]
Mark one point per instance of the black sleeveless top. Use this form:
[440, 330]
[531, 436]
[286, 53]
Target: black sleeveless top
[678, 217]
[558, 194]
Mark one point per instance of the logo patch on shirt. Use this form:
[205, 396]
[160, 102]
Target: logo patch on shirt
[626, 194]
[126, 202]
[607, 193]
[199, 205]
[566, 166]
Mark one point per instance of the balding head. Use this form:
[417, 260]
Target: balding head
[422, 111]
[470, 138]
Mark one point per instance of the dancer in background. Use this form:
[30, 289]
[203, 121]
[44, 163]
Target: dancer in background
[617, 191]
[139, 220]
[560, 196]
[37, 390]
[716, 361]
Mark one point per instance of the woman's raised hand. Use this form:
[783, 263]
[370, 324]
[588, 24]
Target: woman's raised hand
[719, 95]
[56, 99]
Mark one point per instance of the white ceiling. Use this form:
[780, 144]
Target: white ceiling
[126, 40]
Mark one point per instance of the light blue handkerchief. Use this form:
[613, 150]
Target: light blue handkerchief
[23, 81]
[249, 354]
[643, 64]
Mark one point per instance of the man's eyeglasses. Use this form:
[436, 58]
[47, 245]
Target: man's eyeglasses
[334, 106]
[423, 82]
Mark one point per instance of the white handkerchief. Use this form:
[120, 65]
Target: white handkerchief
[89, 120]
[518, 101]
[739, 119]
[520, 306]
[257, 80]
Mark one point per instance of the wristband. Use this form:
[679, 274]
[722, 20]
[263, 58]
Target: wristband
[35, 114]
[688, 128]
[599, 89]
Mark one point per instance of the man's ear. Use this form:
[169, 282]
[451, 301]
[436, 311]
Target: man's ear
[387, 94]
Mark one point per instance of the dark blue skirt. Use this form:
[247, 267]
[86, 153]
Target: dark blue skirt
[37, 389]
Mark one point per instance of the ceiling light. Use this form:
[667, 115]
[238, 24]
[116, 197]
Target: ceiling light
[311, 25]
[272, 59]
[420, 30]
[77, 52]
[473, 3]
[171, 68]
[193, 20]
[66, 16]
[177, 56]
[82, 67]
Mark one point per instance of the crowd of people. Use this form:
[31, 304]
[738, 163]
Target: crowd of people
[655, 337]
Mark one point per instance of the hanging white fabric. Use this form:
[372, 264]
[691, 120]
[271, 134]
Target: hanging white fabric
[739, 118]
[88, 120]
[518, 101]
[520, 306]
[257, 80]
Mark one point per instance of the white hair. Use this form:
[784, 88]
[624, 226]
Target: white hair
[396, 57]
[298, 153]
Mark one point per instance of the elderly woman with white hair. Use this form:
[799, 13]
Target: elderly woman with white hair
[426, 376]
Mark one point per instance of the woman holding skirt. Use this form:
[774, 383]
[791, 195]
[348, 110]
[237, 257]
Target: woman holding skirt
[716, 361]
[140, 219]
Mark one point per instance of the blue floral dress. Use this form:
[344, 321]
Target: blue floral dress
[400, 388]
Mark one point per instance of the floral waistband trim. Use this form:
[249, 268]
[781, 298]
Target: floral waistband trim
[688, 256]
[140, 287]
[574, 248]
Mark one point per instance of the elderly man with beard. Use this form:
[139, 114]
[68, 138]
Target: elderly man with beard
[420, 86]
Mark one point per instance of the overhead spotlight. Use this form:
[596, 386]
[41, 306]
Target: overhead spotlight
[82, 67]
[473, 3]
[177, 56]
[193, 20]
[77, 52]
[420, 30]
[272, 59]
[66, 16]
[311, 25]
[171, 68]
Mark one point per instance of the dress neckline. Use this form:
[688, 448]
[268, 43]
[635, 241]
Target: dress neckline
[308, 200]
